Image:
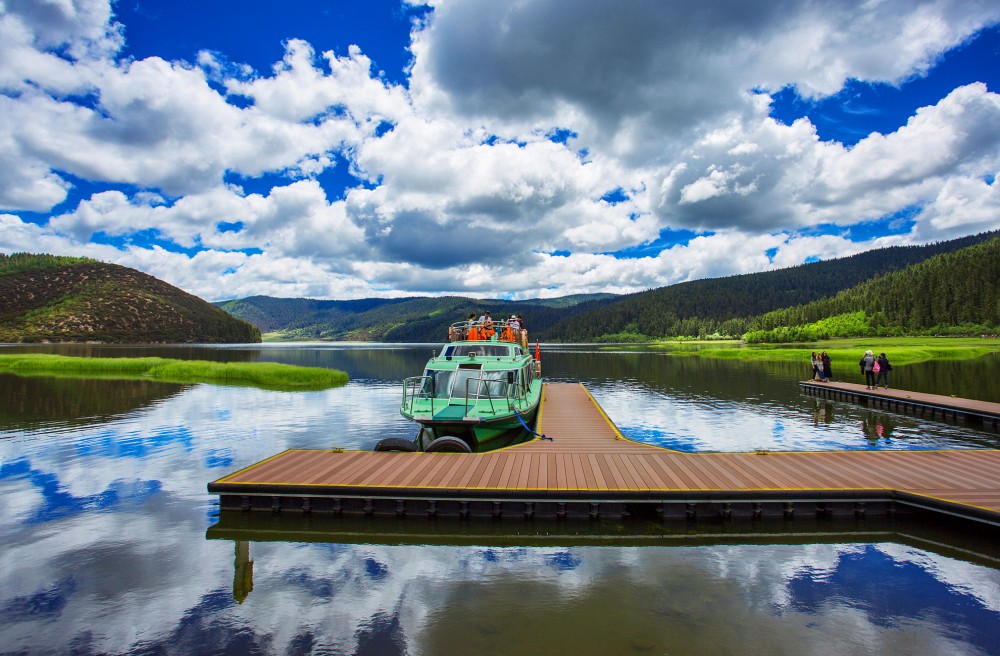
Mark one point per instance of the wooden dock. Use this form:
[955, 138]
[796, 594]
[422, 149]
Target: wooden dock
[589, 469]
[934, 406]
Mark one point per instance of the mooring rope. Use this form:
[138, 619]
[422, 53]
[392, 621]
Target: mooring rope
[521, 419]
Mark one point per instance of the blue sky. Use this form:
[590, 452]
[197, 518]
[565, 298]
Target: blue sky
[336, 149]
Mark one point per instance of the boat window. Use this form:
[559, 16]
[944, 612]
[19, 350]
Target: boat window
[436, 384]
[494, 384]
[459, 386]
[479, 350]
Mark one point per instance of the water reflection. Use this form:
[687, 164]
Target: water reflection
[34, 402]
[696, 404]
[104, 510]
[594, 588]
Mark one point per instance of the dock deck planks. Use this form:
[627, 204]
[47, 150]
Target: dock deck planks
[589, 459]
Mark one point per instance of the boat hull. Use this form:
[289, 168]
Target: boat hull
[480, 434]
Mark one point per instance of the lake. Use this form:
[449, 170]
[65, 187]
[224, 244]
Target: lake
[111, 543]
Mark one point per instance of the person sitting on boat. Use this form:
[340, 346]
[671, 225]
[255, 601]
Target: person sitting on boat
[486, 330]
[513, 329]
[457, 331]
[472, 329]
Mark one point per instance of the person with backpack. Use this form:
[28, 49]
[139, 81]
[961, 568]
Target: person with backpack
[867, 364]
[882, 369]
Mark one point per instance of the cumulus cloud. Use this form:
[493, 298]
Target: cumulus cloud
[636, 78]
[763, 175]
[520, 159]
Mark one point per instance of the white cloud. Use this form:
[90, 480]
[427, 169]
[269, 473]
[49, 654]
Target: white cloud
[300, 91]
[762, 175]
[463, 190]
[664, 71]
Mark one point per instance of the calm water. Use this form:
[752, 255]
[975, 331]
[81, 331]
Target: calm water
[112, 545]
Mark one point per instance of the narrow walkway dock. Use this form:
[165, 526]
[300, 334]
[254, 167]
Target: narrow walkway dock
[916, 403]
[590, 469]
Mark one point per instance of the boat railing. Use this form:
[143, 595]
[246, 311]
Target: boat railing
[413, 389]
[416, 387]
[513, 393]
[499, 331]
[480, 383]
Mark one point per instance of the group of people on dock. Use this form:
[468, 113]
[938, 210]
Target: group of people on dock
[821, 367]
[484, 328]
[875, 369]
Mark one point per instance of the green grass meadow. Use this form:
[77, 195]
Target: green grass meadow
[899, 350]
[265, 375]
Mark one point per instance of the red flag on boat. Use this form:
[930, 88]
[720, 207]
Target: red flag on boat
[538, 355]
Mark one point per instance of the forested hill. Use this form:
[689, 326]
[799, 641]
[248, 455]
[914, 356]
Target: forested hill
[414, 319]
[951, 292]
[44, 298]
[725, 306]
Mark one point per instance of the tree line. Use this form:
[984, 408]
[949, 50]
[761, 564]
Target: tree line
[950, 293]
[731, 307]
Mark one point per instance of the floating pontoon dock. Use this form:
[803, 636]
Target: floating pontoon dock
[590, 469]
[934, 406]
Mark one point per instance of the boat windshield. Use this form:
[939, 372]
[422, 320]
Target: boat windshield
[494, 384]
[436, 384]
[479, 350]
[442, 384]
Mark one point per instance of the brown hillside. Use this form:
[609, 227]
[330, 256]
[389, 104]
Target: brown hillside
[100, 302]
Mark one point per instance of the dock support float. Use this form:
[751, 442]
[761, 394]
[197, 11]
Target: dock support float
[931, 406]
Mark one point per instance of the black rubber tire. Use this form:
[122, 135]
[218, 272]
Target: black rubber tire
[448, 444]
[396, 444]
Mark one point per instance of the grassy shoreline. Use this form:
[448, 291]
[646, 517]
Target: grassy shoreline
[899, 350]
[264, 375]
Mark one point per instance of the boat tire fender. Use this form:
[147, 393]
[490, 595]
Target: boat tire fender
[396, 444]
[448, 444]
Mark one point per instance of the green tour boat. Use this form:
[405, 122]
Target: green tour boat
[481, 392]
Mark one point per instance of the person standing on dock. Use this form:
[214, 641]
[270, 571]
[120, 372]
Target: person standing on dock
[817, 365]
[867, 364]
[827, 371]
[883, 370]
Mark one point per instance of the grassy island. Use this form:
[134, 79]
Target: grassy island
[265, 375]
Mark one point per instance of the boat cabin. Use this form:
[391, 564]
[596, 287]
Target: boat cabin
[478, 370]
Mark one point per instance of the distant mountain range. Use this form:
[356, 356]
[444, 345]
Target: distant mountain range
[731, 306]
[44, 298]
[719, 307]
[414, 319]
[945, 287]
